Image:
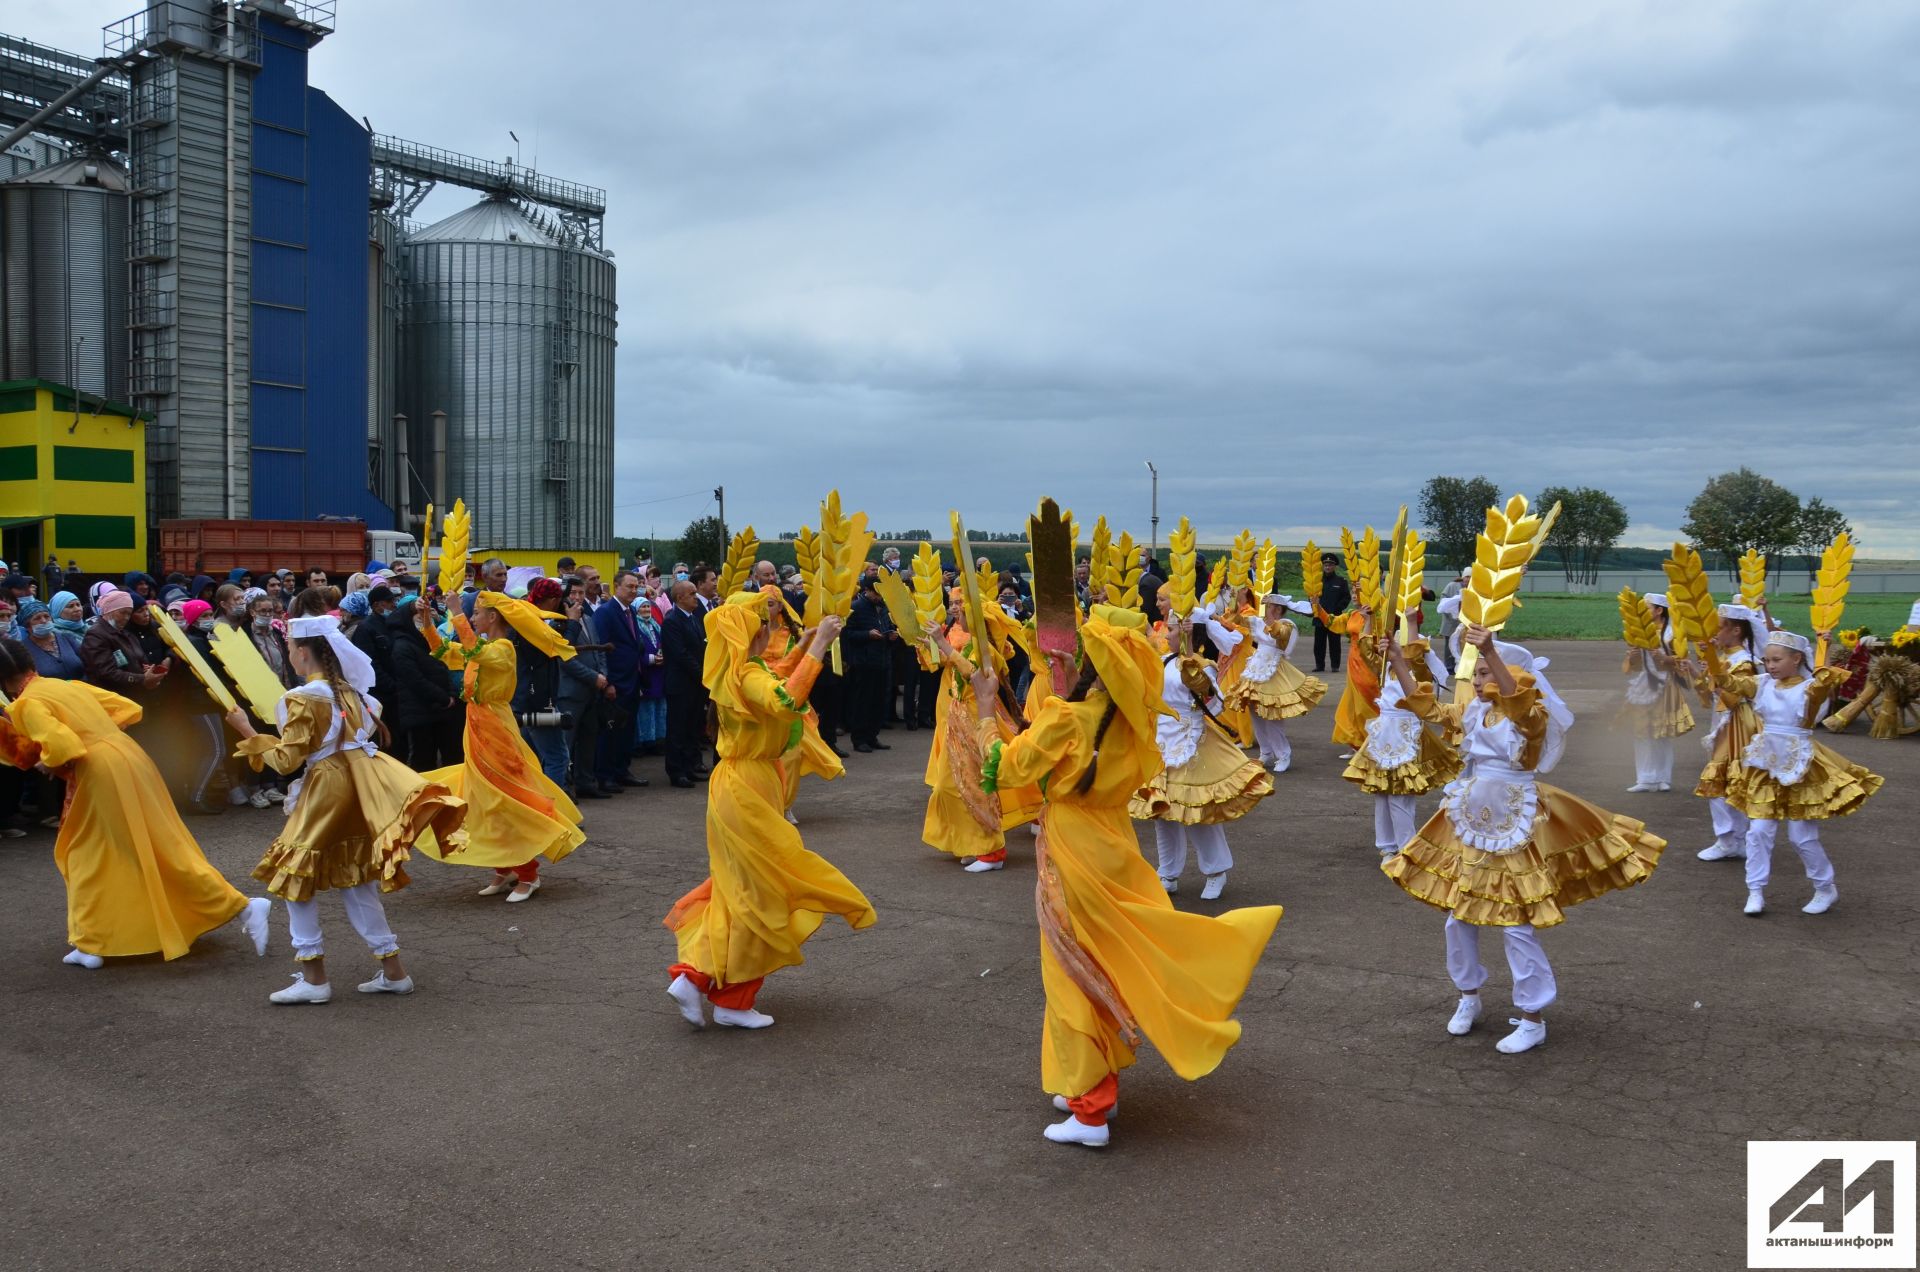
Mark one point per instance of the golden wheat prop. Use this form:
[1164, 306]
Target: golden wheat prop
[454, 538]
[1413, 580]
[1123, 573]
[1831, 587]
[1501, 556]
[739, 565]
[1180, 571]
[1690, 605]
[929, 587]
[1266, 570]
[1753, 580]
[1240, 561]
[1311, 580]
[1098, 558]
[1636, 621]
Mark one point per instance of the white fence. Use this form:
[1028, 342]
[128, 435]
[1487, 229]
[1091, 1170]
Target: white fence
[1790, 581]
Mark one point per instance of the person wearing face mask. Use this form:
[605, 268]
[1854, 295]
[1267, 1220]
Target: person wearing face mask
[112, 652]
[56, 656]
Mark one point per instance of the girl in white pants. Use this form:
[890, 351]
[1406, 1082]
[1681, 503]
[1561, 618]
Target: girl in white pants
[1507, 850]
[1726, 741]
[1790, 777]
[1272, 689]
[1402, 758]
[1207, 780]
[1656, 709]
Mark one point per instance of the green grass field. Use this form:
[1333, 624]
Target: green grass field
[1557, 616]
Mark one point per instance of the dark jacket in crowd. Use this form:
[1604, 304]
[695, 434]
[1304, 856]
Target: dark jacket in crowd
[578, 675]
[422, 694]
[864, 643]
[620, 631]
[538, 688]
[653, 676]
[115, 659]
[683, 639]
[374, 638]
[1335, 596]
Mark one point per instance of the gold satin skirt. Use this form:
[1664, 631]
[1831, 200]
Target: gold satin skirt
[355, 821]
[1219, 784]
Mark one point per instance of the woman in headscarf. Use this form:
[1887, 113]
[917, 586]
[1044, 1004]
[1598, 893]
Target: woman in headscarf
[352, 817]
[136, 881]
[765, 893]
[962, 820]
[1507, 850]
[517, 815]
[69, 615]
[1117, 961]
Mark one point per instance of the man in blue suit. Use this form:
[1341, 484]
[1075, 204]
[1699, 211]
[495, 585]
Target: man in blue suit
[615, 622]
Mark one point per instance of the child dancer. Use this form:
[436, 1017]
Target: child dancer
[136, 881]
[1790, 777]
[1726, 742]
[352, 817]
[765, 893]
[808, 754]
[1656, 709]
[1506, 850]
[1403, 758]
[1204, 781]
[1360, 697]
[1272, 689]
[516, 814]
[1117, 961]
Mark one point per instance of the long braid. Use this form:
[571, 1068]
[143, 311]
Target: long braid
[344, 694]
[1081, 688]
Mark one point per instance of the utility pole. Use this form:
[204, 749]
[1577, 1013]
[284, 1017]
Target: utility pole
[720, 496]
[1154, 548]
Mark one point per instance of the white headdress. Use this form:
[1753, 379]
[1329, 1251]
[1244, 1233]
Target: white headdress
[1794, 641]
[1741, 614]
[1559, 714]
[1287, 602]
[354, 664]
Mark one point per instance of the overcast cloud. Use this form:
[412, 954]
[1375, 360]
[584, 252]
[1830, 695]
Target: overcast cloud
[1301, 256]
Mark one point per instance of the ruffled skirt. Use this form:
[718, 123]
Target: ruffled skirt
[1434, 766]
[1219, 784]
[1725, 776]
[1577, 852]
[356, 821]
[1833, 786]
[1667, 716]
[1288, 693]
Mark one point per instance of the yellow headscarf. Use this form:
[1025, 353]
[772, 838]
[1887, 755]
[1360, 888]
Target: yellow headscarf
[730, 631]
[530, 621]
[1115, 640]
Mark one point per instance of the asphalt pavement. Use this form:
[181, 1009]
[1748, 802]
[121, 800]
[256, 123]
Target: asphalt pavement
[539, 1104]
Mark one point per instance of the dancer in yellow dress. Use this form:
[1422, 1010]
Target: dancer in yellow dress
[1507, 850]
[515, 813]
[962, 820]
[1360, 696]
[136, 881]
[1732, 727]
[1270, 688]
[1656, 711]
[1788, 776]
[1117, 961]
[352, 816]
[1403, 757]
[1204, 780]
[765, 893]
[808, 755]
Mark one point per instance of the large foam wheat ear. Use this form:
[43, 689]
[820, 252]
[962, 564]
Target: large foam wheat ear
[1123, 573]
[1833, 583]
[1501, 554]
[1413, 573]
[1240, 561]
[1311, 580]
[1753, 579]
[1366, 581]
[739, 565]
[1266, 569]
[1690, 603]
[1636, 621]
[929, 592]
[1098, 556]
[808, 556]
[1180, 572]
[454, 539]
[1351, 552]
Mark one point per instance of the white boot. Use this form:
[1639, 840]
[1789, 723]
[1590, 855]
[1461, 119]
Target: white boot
[302, 992]
[1074, 1131]
[1464, 1014]
[1527, 1035]
[1823, 899]
[1216, 884]
[80, 958]
[690, 1000]
[1060, 1102]
[1756, 901]
[748, 1019]
[253, 921]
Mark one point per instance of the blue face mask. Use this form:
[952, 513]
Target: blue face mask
[681, 575]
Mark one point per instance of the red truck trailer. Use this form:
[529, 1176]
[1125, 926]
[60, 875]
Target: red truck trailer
[215, 547]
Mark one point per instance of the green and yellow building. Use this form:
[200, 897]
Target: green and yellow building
[73, 479]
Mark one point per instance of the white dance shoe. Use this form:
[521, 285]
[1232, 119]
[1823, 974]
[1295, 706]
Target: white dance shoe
[1756, 902]
[532, 886]
[1216, 884]
[981, 865]
[739, 1019]
[692, 1003]
[1464, 1014]
[1074, 1131]
[1823, 899]
[1171, 885]
[80, 958]
[302, 992]
[1527, 1035]
[1717, 851]
[501, 882]
[381, 985]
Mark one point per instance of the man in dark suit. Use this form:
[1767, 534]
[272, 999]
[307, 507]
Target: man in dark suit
[1335, 596]
[617, 627]
[866, 650]
[683, 639]
[585, 692]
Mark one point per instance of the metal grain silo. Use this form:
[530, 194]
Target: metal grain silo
[510, 331]
[63, 276]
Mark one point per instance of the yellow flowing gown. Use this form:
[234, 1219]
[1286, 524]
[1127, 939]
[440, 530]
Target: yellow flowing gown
[948, 825]
[1179, 975]
[809, 756]
[137, 883]
[514, 811]
[766, 893]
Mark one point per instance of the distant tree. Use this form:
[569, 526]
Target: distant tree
[1818, 525]
[704, 540]
[1742, 510]
[1454, 512]
[1591, 523]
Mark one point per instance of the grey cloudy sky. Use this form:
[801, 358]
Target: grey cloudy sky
[1302, 256]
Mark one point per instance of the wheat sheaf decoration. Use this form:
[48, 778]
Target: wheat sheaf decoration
[1501, 555]
[1636, 621]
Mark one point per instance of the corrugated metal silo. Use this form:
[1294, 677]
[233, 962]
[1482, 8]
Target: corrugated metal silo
[386, 299]
[510, 331]
[63, 276]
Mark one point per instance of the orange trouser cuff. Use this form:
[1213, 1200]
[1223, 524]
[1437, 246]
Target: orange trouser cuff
[1091, 1109]
[733, 997]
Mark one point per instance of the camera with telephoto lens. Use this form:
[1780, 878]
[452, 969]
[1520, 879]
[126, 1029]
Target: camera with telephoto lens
[545, 719]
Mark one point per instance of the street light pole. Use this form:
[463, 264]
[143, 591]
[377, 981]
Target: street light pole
[1154, 548]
